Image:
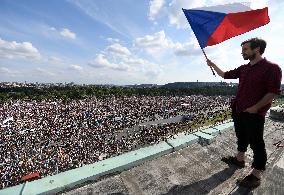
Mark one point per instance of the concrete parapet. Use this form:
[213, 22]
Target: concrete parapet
[204, 138]
[224, 127]
[182, 140]
[211, 131]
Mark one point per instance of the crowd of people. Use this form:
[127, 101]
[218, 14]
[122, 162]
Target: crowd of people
[49, 137]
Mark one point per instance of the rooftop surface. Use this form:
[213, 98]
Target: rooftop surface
[196, 169]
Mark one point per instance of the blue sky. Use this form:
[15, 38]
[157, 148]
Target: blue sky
[117, 41]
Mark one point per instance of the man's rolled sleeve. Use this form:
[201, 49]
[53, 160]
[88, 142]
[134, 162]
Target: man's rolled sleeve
[274, 77]
[232, 74]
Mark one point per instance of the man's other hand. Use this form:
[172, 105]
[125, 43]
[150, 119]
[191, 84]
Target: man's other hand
[252, 110]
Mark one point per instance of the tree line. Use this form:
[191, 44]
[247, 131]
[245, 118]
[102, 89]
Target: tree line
[80, 92]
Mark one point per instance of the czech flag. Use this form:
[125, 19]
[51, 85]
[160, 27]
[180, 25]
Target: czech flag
[213, 25]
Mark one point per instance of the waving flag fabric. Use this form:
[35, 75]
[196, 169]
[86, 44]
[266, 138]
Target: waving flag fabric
[213, 25]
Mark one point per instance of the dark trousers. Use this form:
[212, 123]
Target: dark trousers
[249, 131]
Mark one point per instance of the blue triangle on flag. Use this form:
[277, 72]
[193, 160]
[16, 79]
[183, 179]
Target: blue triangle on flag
[203, 23]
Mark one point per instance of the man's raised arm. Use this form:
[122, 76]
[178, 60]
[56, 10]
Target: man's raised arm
[216, 68]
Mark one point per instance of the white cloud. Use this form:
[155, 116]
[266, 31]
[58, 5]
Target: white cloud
[116, 57]
[62, 33]
[154, 8]
[121, 67]
[99, 62]
[139, 64]
[186, 49]
[118, 50]
[153, 73]
[43, 72]
[13, 50]
[151, 70]
[5, 70]
[173, 10]
[159, 42]
[102, 62]
[154, 43]
[76, 67]
[112, 40]
[176, 15]
[134, 61]
[54, 60]
[65, 32]
[8, 72]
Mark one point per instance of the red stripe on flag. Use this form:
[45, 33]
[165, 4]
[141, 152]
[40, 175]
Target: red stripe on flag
[238, 23]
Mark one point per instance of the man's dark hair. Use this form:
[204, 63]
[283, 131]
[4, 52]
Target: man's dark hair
[256, 42]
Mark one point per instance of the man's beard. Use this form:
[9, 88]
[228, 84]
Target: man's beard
[252, 57]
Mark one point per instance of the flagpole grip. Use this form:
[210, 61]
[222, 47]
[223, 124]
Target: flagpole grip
[207, 59]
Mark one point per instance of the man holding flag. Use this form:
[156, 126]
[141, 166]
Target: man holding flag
[259, 80]
[259, 83]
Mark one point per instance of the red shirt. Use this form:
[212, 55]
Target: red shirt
[255, 81]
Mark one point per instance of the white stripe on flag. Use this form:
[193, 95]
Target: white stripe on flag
[227, 8]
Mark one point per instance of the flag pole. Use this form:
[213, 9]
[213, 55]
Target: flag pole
[207, 59]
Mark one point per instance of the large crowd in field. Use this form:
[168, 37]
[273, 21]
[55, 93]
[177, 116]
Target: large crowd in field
[49, 137]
